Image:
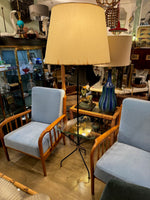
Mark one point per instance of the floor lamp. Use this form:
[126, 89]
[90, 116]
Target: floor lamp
[77, 36]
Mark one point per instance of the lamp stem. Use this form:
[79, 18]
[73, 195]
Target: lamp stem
[63, 77]
[78, 104]
[63, 86]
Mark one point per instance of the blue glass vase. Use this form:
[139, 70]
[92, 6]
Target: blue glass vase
[107, 101]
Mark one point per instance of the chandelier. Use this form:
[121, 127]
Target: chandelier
[111, 8]
[107, 3]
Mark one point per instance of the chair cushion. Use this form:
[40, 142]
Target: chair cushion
[25, 138]
[135, 123]
[124, 162]
[47, 104]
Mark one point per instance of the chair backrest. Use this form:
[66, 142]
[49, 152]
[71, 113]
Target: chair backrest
[47, 104]
[135, 123]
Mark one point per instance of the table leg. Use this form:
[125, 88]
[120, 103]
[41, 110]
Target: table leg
[71, 114]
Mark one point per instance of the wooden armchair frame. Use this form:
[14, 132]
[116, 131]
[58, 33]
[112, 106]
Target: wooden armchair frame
[102, 144]
[12, 121]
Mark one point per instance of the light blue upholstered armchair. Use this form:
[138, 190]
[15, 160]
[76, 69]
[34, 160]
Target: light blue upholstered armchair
[128, 158]
[39, 135]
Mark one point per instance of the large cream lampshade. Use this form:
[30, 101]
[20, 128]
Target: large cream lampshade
[77, 35]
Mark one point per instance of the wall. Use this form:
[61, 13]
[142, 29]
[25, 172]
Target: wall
[130, 8]
[145, 13]
[7, 9]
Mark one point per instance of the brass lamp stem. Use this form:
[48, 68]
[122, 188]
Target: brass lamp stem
[19, 14]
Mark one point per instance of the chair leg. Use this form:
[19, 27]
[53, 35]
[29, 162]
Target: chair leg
[5, 150]
[64, 141]
[43, 166]
[92, 184]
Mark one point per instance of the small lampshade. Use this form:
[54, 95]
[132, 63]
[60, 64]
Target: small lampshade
[37, 11]
[77, 35]
[120, 49]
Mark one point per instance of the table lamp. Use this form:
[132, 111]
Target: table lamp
[120, 48]
[40, 13]
[77, 36]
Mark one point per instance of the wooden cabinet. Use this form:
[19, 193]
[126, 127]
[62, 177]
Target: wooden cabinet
[21, 68]
[141, 58]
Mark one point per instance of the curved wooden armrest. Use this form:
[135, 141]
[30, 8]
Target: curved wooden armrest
[103, 137]
[102, 143]
[9, 119]
[118, 112]
[50, 127]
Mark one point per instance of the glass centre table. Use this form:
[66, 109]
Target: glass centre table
[79, 134]
[84, 129]
[114, 118]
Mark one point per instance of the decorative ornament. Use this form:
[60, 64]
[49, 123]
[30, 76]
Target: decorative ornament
[20, 24]
[117, 29]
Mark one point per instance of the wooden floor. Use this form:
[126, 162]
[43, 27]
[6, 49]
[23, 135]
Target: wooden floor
[70, 182]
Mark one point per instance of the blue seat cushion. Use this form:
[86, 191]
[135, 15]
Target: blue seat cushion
[126, 163]
[25, 138]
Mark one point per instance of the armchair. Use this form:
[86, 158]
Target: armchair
[37, 135]
[124, 151]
